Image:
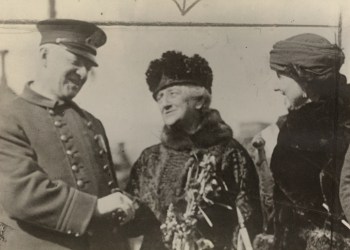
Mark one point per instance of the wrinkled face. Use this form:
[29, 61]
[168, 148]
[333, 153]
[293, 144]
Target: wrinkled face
[290, 89]
[68, 71]
[175, 105]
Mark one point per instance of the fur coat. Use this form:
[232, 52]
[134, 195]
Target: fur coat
[158, 179]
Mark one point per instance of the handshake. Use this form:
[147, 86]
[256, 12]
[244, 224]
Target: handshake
[120, 205]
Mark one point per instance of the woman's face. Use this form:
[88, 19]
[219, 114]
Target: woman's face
[175, 105]
[291, 90]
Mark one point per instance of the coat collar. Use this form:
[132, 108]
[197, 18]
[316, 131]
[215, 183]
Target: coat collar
[212, 130]
[34, 97]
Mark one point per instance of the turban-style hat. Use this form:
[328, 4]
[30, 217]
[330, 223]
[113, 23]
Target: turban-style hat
[309, 51]
[174, 68]
[79, 37]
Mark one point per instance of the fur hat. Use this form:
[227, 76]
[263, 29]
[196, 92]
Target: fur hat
[174, 68]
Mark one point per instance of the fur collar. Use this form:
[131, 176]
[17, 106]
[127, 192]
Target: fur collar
[212, 130]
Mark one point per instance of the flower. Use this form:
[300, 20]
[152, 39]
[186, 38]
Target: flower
[180, 229]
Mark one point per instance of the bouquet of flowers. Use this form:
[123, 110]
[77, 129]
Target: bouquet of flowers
[180, 230]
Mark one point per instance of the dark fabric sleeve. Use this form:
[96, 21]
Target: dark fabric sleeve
[144, 221]
[251, 194]
[27, 193]
[133, 184]
[297, 173]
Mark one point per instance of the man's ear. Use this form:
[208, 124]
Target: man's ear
[44, 51]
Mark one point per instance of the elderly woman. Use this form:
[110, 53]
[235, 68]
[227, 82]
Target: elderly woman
[198, 178]
[311, 144]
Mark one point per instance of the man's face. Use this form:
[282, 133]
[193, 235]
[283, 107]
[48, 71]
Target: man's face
[290, 89]
[68, 71]
[175, 105]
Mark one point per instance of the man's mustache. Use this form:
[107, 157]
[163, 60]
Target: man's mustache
[76, 79]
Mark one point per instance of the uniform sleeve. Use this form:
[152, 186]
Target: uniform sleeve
[27, 194]
[344, 190]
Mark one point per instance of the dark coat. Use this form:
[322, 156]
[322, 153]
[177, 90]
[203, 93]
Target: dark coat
[306, 165]
[159, 175]
[54, 164]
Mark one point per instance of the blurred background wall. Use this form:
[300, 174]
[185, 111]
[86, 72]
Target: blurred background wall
[235, 36]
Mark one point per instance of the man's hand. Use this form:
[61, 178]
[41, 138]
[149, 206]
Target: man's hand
[117, 203]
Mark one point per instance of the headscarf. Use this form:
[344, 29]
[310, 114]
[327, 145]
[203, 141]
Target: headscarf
[311, 52]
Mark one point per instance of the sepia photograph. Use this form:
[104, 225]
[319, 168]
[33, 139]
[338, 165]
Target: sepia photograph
[174, 125]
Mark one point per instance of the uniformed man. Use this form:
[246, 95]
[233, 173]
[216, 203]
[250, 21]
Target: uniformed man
[58, 187]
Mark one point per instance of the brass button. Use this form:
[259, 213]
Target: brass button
[89, 124]
[63, 138]
[80, 183]
[77, 235]
[96, 137]
[101, 152]
[69, 152]
[106, 167]
[51, 112]
[57, 124]
[110, 183]
[69, 232]
[75, 168]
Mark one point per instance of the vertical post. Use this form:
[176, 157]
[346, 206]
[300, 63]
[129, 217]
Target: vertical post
[52, 8]
[3, 80]
[340, 30]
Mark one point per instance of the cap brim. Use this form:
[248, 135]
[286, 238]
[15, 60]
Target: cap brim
[91, 58]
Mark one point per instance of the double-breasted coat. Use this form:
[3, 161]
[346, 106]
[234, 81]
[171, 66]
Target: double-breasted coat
[55, 163]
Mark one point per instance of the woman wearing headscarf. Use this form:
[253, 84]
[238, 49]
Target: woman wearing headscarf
[198, 180]
[311, 144]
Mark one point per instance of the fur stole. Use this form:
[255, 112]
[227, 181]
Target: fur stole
[212, 130]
